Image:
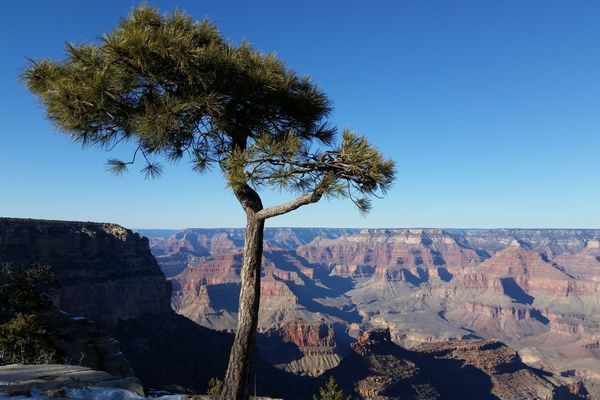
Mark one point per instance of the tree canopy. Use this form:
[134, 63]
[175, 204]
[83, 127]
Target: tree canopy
[177, 89]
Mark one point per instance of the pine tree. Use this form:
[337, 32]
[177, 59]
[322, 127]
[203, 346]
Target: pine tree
[23, 298]
[331, 391]
[215, 387]
[177, 90]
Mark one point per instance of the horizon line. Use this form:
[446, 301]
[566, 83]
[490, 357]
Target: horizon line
[371, 228]
[306, 227]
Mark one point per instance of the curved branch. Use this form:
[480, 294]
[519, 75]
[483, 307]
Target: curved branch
[289, 206]
[299, 201]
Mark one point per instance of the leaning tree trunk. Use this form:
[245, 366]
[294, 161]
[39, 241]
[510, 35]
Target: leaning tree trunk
[237, 379]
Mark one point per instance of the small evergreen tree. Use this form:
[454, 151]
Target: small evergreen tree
[24, 289]
[22, 298]
[215, 387]
[331, 391]
[24, 341]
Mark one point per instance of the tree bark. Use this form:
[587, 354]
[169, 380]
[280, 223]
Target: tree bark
[237, 379]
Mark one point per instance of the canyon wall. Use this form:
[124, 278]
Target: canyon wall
[106, 272]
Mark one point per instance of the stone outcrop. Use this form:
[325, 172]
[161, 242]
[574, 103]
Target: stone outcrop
[300, 347]
[106, 272]
[373, 341]
[308, 335]
[476, 369]
[391, 253]
[81, 342]
[54, 380]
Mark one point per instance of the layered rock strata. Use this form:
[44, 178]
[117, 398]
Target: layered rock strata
[537, 290]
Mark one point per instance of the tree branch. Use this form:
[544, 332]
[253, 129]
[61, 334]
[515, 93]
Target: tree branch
[299, 201]
[289, 206]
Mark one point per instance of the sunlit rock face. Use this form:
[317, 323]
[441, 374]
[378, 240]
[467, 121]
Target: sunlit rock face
[302, 347]
[393, 253]
[537, 290]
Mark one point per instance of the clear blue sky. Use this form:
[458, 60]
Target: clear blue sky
[491, 110]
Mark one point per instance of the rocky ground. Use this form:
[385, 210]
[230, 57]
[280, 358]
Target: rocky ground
[53, 380]
[50, 381]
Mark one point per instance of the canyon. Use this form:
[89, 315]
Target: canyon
[388, 313]
[537, 290]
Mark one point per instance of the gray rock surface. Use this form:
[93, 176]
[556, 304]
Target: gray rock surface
[52, 379]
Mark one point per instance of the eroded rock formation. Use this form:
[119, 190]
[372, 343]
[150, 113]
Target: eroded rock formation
[301, 347]
[537, 290]
[378, 369]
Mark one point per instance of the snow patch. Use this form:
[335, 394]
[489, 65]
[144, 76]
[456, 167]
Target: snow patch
[100, 393]
[92, 393]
